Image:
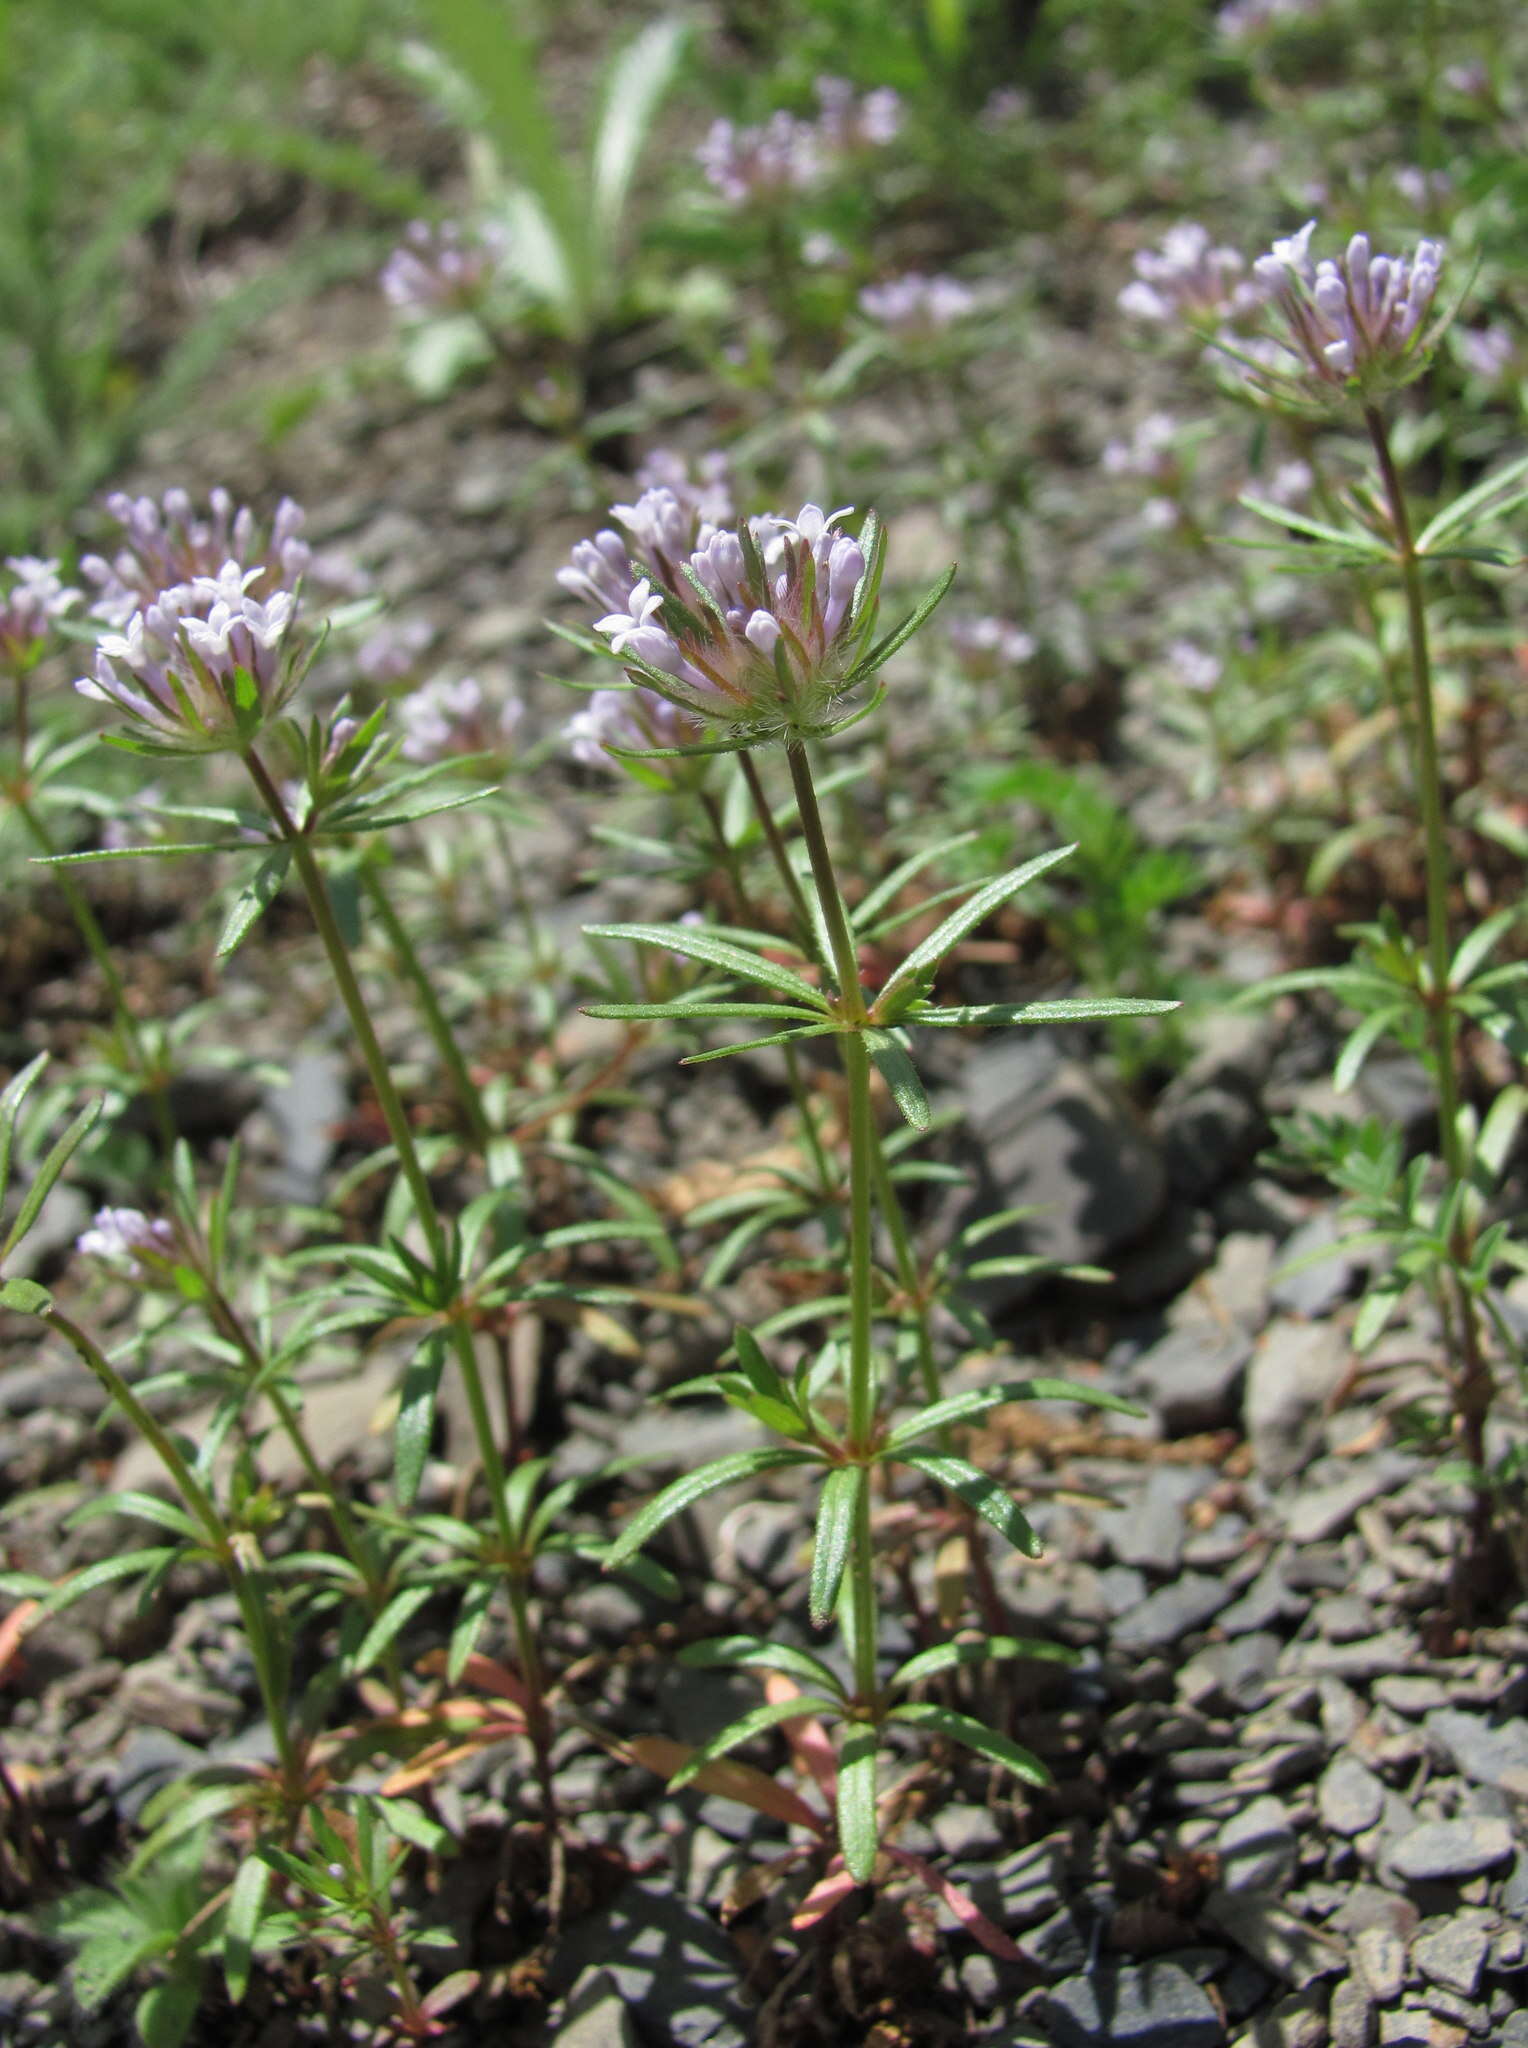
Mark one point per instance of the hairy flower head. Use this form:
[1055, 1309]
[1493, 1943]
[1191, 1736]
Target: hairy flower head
[1358, 318]
[128, 1238]
[28, 609]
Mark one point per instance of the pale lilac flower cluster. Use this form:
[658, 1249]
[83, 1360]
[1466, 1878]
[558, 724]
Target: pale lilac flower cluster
[916, 307]
[1359, 315]
[1246, 18]
[755, 630]
[1148, 450]
[633, 721]
[1194, 667]
[1423, 189]
[392, 650]
[168, 543]
[846, 121]
[1188, 278]
[1488, 352]
[747, 165]
[36, 598]
[702, 483]
[987, 647]
[785, 154]
[448, 716]
[127, 1237]
[440, 268]
[176, 667]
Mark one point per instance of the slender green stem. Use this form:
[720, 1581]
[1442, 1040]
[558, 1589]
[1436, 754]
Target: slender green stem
[311, 876]
[1429, 784]
[1473, 1390]
[99, 948]
[254, 1605]
[436, 1021]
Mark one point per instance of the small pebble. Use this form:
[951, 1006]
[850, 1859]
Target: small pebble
[1351, 1797]
[1450, 1848]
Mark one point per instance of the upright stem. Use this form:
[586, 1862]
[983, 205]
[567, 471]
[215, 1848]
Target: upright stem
[99, 948]
[436, 1021]
[860, 1617]
[1430, 796]
[316, 890]
[1473, 1389]
[253, 1602]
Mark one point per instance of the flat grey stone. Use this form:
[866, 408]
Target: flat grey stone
[1350, 2017]
[1268, 1599]
[1349, 1796]
[1277, 1939]
[597, 2016]
[1485, 1754]
[1450, 1849]
[1413, 1696]
[1257, 1847]
[1206, 1134]
[1053, 1133]
[1298, 2021]
[1453, 1952]
[1021, 1890]
[1295, 1370]
[1153, 2005]
[1320, 1285]
[967, 1831]
[1237, 1672]
[1150, 1532]
[1412, 2027]
[1192, 1377]
[1317, 1512]
[1393, 1649]
[1347, 1619]
[666, 1958]
[1381, 1957]
[1057, 1947]
[306, 1110]
[1515, 2033]
[1171, 1612]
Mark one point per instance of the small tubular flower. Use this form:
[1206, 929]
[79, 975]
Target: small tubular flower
[756, 631]
[917, 307]
[449, 716]
[632, 721]
[203, 666]
[1359, 317]
[127, 1238]
[36, 598]
[441, 268]
[750, 166]
[1188, 279]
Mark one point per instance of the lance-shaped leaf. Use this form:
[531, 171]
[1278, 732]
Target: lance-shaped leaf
[241, 1924]
[253, 900]
[1065, 1010]
[756, 1722]
[693, 944]
[890, 886]
[416, 1416]
[841, 1492]
[1350, 539]
[52, 1166]
[975, 1735]
[980, 1650]
[899, 635]
[894, 1065]
[697, 1012]
[693, 1486]
[858, 1835]
[752, 1653]
[977, 1400]
[993, 1502]
[924, 958]
[12, 1096]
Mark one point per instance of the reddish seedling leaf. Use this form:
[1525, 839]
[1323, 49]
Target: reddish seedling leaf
[12, 1629]
[826, 1895]
[482, 1671]
[966, 1910]
[810, 1743]
[728, 1779]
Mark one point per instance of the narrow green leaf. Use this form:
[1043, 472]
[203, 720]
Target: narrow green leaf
[870, 906]
[651, 1012]
[858, 1833]
[1067, 1010]
[978, 1490]
[12, 1096]
[984, 1650]
[727, 1052]
[105, 1572]
[693, 1486]
[751, 1653]
[416, 1417]
[836, 1512]
[757, 1722]
[1361, 1042]
[639, 79]
[246, 1903]
[1348, 538]
[696, 944]
[409, 1824]
[58, 1158]
[975, 1735]
[926, 957]
[25, 1297]
[144, 1507]
[395, 1616]
[894, 1065]
[254, 899]
[899, 635]
[963, 1407]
